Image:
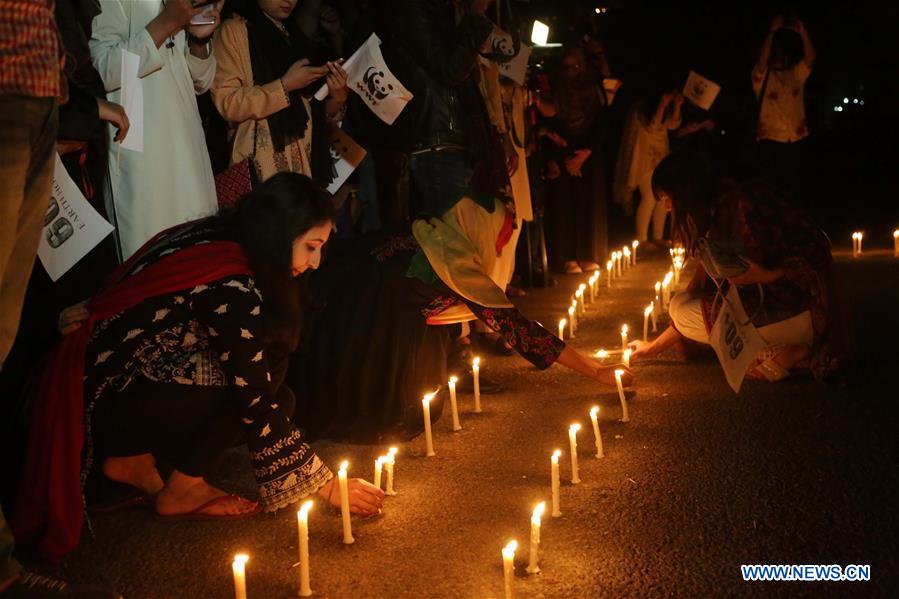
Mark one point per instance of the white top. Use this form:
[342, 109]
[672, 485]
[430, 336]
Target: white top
[171, 181]
[782, 114]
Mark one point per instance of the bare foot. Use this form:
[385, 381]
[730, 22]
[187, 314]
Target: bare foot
[183, 494]
[138, 471]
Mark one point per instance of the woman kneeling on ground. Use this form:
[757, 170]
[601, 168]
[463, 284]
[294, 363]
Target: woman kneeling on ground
[180, 357]
[786, 283]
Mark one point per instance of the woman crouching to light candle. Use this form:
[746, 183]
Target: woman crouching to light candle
[179, 357]
[752, 237]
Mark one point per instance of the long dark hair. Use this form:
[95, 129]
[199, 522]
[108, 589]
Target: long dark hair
[267, 221]
[687, 178]
[786, 49]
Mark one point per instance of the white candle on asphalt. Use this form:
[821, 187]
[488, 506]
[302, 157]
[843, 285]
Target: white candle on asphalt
[562, 324]
[593, 278]
[533, 561]
[623, 337]
[624, 416]
[618, 270]
[572, 442]
[379, 466]
[345, 504]
[856, 244]
[896, 243]
[666, 291]
[454, 406]
[239, 568]
[509, 567]
[303, 533]
[635, 244]
[626, 357]
[609, 270]
[861, 238]
[570, 322]
[573, 314]
[556, 482]
[627, 257]
[655, 320]
[390, 462]
[476, 375]
[658, 290]
[597, 437]
[647, 312]
[426, 411]
[579, 301]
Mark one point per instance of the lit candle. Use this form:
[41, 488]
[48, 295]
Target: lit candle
[666, 290]
[453, 405]
[345, 504]
[562, 324]
[593, 278]
[533, 566]
[626, 357]
[556, 483]
[572, 442]
[658, 300]
[476, 374]
[623, 337]
[647, 312]
[627, 257]
[579, 301]
[855, 244]
[303, 532]
[597, 437]
[861, 237]
[426, 410]
[573, 314]
[582, 290]
[379, 466]
[602, 354]
[609, 273]
[896, 243]
[570, 321]
[238, 566]
[634, 245]
[618, 257]
[509, 567]
[655, 320]
[624, 416]
[391, 469]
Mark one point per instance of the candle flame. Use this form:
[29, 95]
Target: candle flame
[658, 286]
[618, 373]
[648, 310]
[453, 380]
[392, 452]
[574, 427]
[562, 323]
[241, 558]
[667, 280]
[556, 454]
[571, 311]
[635, 244]
[624, 329]
[627, 252]
[509, 549]
[304, 509]
[380, 461]
[476, 363]
[609, 265]
[594, 410]
[896, 234]
[602, 354]
[582, 287]
[538, 511]
[344, 465]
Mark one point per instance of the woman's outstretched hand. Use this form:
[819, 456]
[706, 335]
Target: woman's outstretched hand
[641, 349]
[365, 498]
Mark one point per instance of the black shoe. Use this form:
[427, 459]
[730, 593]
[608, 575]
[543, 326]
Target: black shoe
[466, 384]
[34, 586]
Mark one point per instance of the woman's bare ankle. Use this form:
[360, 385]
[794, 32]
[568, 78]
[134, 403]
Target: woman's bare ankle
[138, 471]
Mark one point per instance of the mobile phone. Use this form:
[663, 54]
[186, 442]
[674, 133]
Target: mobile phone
[207, 17]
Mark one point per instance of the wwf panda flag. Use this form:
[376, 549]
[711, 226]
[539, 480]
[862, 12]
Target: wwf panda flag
[346, 155]
[369, 77]
[511, 57]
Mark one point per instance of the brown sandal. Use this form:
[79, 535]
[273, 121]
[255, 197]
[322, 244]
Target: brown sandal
[199, 515]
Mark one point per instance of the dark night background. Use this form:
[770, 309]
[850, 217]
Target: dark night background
[852, 156]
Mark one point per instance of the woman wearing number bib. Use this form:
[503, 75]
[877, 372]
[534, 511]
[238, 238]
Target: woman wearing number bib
[751, 237]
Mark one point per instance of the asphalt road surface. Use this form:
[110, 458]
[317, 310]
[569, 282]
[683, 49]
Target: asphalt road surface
[699, 482]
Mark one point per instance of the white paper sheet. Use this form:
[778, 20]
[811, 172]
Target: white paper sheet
[133, 101]
[701, 91]
[346, 155]
[515, 69]
[72, 228]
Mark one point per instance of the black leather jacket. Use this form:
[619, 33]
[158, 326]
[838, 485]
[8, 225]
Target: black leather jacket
[435, 59]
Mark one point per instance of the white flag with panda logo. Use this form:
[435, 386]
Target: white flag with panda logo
[511, 63]
[701, 91]
[369, 77]
[346, 155]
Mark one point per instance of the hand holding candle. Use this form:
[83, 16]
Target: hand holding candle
[303, 532]
[238, 568]
[454, 406]
[556, 482]
[533, 565]
[509, 567]
[626, 357]
[597, 437]
[426, 411]
[572, 442]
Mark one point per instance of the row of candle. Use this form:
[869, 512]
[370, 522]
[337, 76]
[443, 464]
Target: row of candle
[858, 237]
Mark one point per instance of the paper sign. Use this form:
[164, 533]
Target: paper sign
[736, 344]
[700, 90]
[346, 155]
[133, 101]
[611, 87]
[72, 228]
[515, 65]
[372, 81]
